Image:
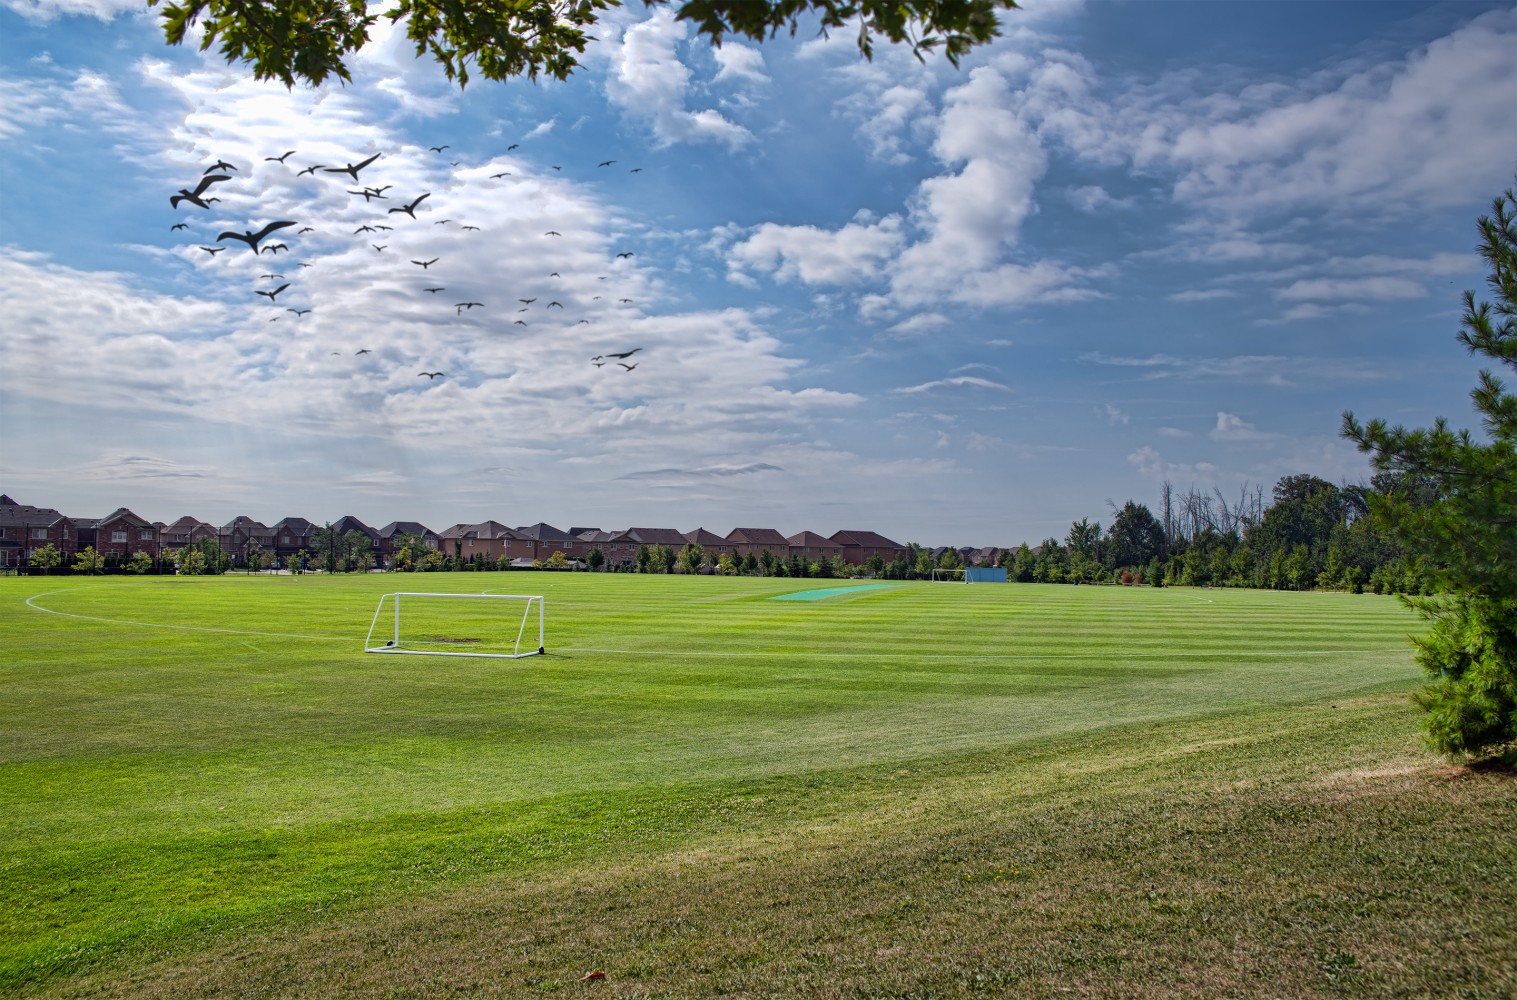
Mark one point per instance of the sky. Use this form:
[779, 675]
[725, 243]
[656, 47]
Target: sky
[1127, 243]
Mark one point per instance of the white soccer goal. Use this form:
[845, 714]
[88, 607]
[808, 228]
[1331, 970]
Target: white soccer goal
[940, 575]
[456, 625]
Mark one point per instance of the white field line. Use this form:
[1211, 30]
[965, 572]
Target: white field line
[182, 628]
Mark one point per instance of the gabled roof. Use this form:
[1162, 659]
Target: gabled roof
[756, 536]
[868, 539]
[395, 528]
[485, 529]
[348, 523]
[668, 537]
[579, 532]
[703, 538]
[596, 535]
[22, 514]
[811, 540]
[299, 525]
[543, 532]
[119, 514]
[188, 523]
[6, 501]
[246, 524]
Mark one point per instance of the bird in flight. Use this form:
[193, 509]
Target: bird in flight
[297, 312]
[598, 364]
[305, 229]
[552, 304]
[368, 193]
[606, 163]
[426, 263]
[496, 177]
[271, 277]
[434, 290]
[276, 291]
[279, 159]
[311, 169]
[213, 251]
[362, 351]
[527, 302]
[378, 248]
[635, 170]
[352, 168]
[553, 232]
[626, 354]
[520, 322]
[220, 165]
[553, 274]
[442, 222]
[364, 229]
[430, 375]
[514, 145]
[470, 227]
[557, 167]
[274, 248]
[627, 366]
[624, 300]
[461, 306]
[179, 225]
[251, 238]
[628, 253]
[411, 208]
[437, 149]
[193, 197]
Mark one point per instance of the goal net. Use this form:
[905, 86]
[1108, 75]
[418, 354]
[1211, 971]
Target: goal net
[499, 625]
[940, 575]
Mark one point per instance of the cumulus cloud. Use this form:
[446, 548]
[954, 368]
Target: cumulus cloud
[958, 382]
[816, 256]
[648, 82]
[43, 11]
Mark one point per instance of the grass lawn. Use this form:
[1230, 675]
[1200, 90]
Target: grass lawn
[922, 790]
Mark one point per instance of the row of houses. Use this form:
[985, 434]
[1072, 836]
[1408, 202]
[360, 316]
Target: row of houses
[122, 533]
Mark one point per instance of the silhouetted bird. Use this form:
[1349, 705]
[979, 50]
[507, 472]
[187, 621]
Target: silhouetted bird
[378, 248]
[311, 169]
[526, 302]
[279, 159]
[411, 208]
[193, 197]
[275, 292]
[552, 304]
[179, 225]
[496, 177]
[297, 312]
[430, 375]
[626, 366]
[553, 232]
[434, 290]
[364, 229]
[625, 354]
[251, 238]
[469, 227]
[274, 248]
[437, 149]
[362, 351]
[213, 251]
[514, 145]
[271, 277]
[629, 253]
[352, 168]
[220, 165]
[368, 193]
[426, 263]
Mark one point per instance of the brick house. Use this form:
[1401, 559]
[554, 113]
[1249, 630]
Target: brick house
[292, 535]
[183, 533]
[24, 529]
[813, 547]
[391, 533]
[711, 543]
[859, 546]
[550, 540]
[242, 536]
[488, 540]
[754, 541]
[118, 535]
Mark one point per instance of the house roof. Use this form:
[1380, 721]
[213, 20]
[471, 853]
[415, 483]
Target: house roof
[416, 528]
[348, 523]
[22, 514]
[756, 536]
[703, 538]
[579, 532]
[188, 523]
[668, 537]
[811, 540]
[246, 524]
[868, 539]
[299, 525]
[544, 532]
[485, 529]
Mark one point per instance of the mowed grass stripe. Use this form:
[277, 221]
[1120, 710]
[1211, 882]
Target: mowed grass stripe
[160, 784]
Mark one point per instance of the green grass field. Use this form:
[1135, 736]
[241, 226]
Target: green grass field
[922, 790]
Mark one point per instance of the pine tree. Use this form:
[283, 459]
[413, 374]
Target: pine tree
[1464, 529]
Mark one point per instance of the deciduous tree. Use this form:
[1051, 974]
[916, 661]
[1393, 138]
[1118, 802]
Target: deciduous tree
[311, 40]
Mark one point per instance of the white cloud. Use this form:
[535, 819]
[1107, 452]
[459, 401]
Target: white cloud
[815, 256]
[1203, 295]
[1338, 289]
[44, 11]
[919, 324]
[1231, 427]
[740, 63]
[649, 82]
[963, 381]
[1114, 415]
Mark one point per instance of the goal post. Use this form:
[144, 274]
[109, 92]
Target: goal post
[941, 575]
[492, 625]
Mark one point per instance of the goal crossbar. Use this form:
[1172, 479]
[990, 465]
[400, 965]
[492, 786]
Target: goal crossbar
[398, 642]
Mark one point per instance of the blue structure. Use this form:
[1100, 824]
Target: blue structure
[985, 575]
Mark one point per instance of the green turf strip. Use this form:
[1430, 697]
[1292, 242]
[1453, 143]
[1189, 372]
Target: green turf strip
[825, 592]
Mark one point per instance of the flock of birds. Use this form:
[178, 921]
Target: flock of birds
[257, 240]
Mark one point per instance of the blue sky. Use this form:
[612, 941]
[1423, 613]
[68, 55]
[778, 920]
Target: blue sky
[1125, 244]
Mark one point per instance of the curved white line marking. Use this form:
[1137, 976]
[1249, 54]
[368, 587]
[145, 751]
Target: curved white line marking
[182, 628]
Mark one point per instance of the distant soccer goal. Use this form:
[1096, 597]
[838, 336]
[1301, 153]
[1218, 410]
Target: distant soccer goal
[970, 574]
[940, 575]
[497, 625]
